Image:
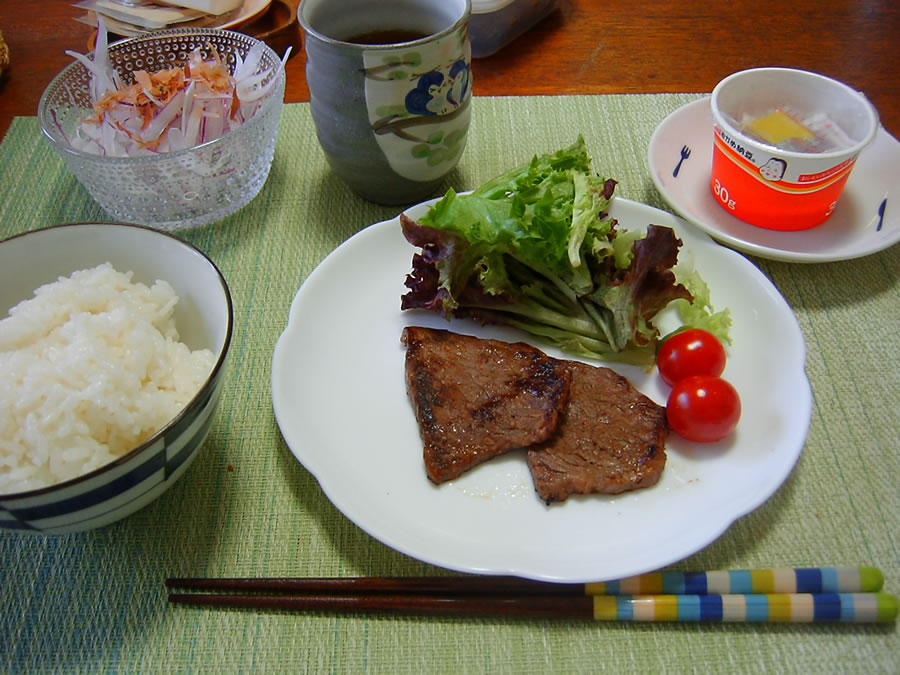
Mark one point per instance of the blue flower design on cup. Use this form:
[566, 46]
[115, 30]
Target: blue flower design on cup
[437, 94]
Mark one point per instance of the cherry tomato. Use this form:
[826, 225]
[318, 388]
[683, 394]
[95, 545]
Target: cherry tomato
[691, 352]
[703, 408]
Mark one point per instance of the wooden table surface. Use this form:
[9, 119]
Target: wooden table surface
[584, 47]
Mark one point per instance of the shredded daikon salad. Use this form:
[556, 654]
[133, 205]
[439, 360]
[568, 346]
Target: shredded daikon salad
[170, 109]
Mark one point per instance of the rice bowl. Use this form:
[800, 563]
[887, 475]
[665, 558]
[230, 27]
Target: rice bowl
[173, 380]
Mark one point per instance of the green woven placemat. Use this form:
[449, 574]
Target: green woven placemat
[96, 601]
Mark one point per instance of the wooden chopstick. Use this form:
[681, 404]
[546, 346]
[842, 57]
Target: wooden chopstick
[534, 606]
[785, 607]
[382, 585]
[775, 580]
[515, 597]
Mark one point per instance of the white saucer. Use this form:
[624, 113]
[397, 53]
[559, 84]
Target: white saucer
[855, 229]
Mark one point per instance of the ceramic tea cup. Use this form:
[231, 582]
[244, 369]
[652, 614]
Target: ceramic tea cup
[390, 91]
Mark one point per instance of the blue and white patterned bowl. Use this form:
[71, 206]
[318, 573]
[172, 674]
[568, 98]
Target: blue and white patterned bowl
[204, 317]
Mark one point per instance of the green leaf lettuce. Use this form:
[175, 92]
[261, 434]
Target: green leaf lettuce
[534, 248]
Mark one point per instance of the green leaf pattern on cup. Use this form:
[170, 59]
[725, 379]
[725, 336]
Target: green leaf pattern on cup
[419, 104]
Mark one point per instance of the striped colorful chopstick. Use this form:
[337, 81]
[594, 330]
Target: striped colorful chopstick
[801, 580]
[776, 580]
[781, 595]
[777, 607]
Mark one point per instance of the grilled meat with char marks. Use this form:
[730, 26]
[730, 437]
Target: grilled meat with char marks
[475, 399]
[611, 438]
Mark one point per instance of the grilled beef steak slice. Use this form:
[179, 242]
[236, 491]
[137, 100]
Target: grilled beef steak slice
[611, 439]
[475, 399]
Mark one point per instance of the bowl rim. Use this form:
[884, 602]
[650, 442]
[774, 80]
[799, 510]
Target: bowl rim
[311, 31]
[863, 102]
[191, 405]
[62, 144]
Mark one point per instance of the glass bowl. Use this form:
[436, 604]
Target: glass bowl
[183, 188]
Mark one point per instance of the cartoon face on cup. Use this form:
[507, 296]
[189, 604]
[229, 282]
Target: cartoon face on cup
[773, 170]
[390, 91]
[785, 142]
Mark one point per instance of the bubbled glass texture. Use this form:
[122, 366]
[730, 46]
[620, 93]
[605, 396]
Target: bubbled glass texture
[180, 189]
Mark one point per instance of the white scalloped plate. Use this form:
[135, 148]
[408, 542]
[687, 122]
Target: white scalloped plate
[340, 400]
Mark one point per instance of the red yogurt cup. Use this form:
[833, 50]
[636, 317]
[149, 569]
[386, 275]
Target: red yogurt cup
[771, 187]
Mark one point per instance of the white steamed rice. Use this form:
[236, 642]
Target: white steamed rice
[90, 367]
